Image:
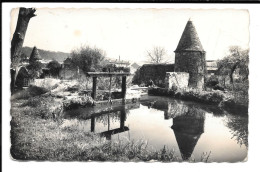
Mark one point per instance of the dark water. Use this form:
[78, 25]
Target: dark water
[188, 128]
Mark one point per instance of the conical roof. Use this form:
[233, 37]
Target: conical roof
[189, 40]
[35, 55]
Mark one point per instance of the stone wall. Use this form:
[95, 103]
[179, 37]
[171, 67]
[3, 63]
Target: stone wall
[155, 72]
[193, 63]
[176, 79]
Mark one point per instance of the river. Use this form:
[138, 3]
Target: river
[188, 128]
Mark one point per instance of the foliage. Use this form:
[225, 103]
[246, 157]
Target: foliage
[35, 69]
[237, 59]
[46, 54]
[78, 102]
[54, 67]
[31, 91]
[239, 128]
[212, 81]
[88, 59]
[24, 58]
[114, 68]
[156, 55]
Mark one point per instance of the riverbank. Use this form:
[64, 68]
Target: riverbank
[39, 132]
[227, 100]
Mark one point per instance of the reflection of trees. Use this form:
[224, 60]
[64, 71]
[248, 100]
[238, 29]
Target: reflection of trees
[239, 128]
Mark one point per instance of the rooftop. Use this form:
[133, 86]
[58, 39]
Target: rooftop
[189, 40]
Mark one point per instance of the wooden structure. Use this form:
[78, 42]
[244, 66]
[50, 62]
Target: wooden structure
[92, 113]
[94, 75]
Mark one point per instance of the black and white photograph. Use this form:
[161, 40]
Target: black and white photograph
[129, 84]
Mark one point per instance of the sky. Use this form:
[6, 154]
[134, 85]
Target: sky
[130, 33]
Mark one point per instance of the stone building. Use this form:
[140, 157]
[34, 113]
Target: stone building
[70, 71]
[190, 57]
[154, 72]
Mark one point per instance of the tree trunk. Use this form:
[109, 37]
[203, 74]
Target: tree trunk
[25, 14]
[232, 72]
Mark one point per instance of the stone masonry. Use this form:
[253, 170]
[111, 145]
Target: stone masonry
[178, 80]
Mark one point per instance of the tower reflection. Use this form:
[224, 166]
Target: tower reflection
[187, 123]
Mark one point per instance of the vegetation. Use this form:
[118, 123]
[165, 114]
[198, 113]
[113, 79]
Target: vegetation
[35, 66]
[30, 92]
[47, 55]
[78, 102]
[88, 59]
[39, 131]
[54, 67]
[156, 55]
[237, 61]
[226, 100]
[35, 69]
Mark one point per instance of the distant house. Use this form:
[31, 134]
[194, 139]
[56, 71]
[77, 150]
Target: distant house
[119, 63]
[45, 62]
[22, 78]
[134, 67]
[212, 67]
[68, 71]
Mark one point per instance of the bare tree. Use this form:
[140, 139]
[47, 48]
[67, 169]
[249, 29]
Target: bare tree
[156, 55]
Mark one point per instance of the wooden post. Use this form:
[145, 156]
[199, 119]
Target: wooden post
[92, 127]
[123, 87]
[110, 84]
[108, 122]
[122, 118]
[94, 88]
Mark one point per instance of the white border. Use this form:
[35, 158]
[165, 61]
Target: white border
[11, 165]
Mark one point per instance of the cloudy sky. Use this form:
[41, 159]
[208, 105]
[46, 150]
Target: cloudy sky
[131, 32]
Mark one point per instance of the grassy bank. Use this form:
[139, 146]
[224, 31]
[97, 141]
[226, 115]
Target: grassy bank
[39, 132]
[230, 101]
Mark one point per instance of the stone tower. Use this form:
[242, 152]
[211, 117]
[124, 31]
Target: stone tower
[190, 57]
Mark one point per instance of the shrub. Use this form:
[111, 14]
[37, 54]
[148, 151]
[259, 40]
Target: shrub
[212, 81]
[78, 102]
[31, 91]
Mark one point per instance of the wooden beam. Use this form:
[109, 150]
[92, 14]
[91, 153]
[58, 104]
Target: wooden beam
[94, 88]
[109, 133]
[107, 74]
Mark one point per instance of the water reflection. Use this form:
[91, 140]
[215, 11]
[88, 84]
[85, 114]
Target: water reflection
[104, 115]
[189, 128]
[187, 123]
[239, 128]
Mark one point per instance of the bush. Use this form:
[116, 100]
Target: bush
[31, 91]
[212, 81]
[78, 102]
[43, 107]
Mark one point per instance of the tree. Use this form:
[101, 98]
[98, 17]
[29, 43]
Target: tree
[35, 66]
[24, 58]
[24, 16]
[156, 55]
[88, 59]
[54, 67]
[237, 58]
